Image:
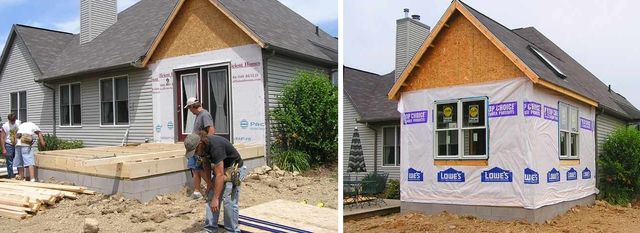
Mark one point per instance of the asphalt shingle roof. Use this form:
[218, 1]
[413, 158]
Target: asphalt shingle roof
[368, 93]
[578, 78]
[43, 45]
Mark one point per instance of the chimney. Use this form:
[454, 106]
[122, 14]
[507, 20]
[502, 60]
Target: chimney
[410, 34]
[95, 17]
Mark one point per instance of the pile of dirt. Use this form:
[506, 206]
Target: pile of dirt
[601, 217]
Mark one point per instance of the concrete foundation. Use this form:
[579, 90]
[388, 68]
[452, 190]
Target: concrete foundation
[539, 215]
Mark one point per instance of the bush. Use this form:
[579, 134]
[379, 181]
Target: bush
[306, 119]
[620, 166]
[55, 143]
[291, 160]
[393, 189]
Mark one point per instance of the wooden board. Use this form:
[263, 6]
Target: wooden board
[13, 214]
[293, 214]
[125, 158]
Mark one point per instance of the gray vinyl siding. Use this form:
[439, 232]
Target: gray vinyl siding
[280, 72]
[140, 111]
[409, 37]
[18, 75]
[367, 139]
[605, 124]
[95, 17]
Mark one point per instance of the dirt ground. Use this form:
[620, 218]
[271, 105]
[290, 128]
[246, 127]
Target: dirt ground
[177, 212]
[601, 217]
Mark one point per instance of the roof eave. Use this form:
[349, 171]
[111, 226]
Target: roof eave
[304, 56]
[46, 79]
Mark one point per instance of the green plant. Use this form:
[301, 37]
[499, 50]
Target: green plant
[393, 189]
[55, 143]
[291, 160]
[620, 166]
[306, 118]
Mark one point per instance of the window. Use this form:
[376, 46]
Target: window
[569, 132]
[70, 110]
[391, 146]
[19, 105]
[461, 129]
[114, 101]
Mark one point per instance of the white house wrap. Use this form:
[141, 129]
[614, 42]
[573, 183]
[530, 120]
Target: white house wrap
[524, 166]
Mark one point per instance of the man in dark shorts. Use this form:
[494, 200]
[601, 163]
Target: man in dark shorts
[203, 122]
[222, 162]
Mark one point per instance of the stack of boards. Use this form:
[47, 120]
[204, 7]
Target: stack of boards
[22, 199]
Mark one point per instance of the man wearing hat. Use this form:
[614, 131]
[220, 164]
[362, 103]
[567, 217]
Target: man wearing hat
[222, 162]
[203, 122]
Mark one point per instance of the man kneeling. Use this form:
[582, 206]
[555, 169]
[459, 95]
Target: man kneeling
[224, 164]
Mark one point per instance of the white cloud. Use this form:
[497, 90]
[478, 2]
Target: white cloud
[314, 11]
[72, 25]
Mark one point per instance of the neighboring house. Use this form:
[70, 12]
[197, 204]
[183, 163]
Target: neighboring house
[127, 76]
[365, 106]
[500, 123]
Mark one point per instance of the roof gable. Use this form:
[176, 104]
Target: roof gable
[366, 91]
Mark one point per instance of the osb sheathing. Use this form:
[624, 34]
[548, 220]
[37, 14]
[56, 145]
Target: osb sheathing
[199, 27]
[461, 54]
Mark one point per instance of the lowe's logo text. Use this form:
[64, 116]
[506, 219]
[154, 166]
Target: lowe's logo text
[415, 175]
[497, 174]
[531, 176]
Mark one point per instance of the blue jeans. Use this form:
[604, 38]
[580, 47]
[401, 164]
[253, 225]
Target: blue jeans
[229, 197]
[9, 159]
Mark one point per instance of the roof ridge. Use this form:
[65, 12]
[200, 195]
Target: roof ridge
[364, 71]
[44, 29]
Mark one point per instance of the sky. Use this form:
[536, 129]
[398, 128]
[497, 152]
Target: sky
[64, 15]
[601, 35]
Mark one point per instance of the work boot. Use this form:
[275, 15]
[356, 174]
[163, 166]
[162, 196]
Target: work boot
[196, 195]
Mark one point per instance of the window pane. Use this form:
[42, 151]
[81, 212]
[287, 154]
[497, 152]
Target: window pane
[564, 117]
[22, 116]
[574, 120]
[107, 112]
[64, 115]
[14, 102]
[23, 99]
[122, 89]
[77, 114]
[574, 144]
[388, 136]
[64, 95]
[447, 115]
[563, 143]
[448, 142]
[473, 113]
[122, 112]
[398, 146]
[106, 90]
[388, 156]
[75, 94]
[475, 141]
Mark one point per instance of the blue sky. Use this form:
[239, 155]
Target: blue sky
[64, 15]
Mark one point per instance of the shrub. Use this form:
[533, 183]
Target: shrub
[393, 189]
[306, 119]
[55, 143]
[291, 160]
[620, 166]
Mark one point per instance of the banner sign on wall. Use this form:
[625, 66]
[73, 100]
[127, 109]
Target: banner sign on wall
[415, 175]
[450, 175]
[586, 174]
[532, 109]
[550, 113]
[531, 176]
[416, 117]
[497, 174]
[572, 174]
[503, 109]
[553, 176]
[586, 124]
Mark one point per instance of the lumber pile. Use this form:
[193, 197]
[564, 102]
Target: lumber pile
[22, 199]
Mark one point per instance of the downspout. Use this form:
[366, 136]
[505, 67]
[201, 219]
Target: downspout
[53, 101]
[267, 120]
[375, 147]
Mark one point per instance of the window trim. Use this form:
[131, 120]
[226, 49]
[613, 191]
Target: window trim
[460, 128]
[396, 146]
[569, 131]
[226, 66]
[114, 125]
[26, 118]
[71, 125]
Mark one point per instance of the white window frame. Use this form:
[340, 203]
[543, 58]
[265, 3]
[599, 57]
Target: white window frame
[460, 128]
[114, 125]
[70, 125]
[396, 146]
[570, 131]
[26, 118]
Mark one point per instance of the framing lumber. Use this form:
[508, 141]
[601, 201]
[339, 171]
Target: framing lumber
[13, 214]
[77, 189]
[121, 159]
[24, 202]
[15, 208]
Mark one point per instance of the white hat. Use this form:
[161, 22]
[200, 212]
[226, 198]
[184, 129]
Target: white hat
[191, 101]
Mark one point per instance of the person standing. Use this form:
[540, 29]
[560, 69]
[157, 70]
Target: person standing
[8, 142]
[27, 138]
[224, 166]
[203, 122]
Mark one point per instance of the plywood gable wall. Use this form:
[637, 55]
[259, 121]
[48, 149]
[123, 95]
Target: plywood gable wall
[199, 27]
[460, 54]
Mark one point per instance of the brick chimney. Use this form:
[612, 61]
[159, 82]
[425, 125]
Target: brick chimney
[410, 34]
[95, 17]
